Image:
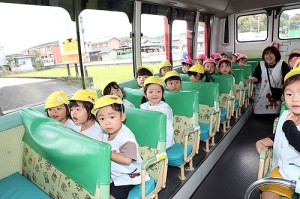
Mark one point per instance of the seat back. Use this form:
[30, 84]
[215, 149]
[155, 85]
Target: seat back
[239, 87]
[59, 160]
[185, 77]
[134, 96]
[185, 107]
[149, 128]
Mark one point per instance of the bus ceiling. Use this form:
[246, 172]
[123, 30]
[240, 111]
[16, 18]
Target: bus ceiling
[219, 8]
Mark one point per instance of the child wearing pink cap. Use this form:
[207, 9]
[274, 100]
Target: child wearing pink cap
[186, 65]
[200, 59]
[210, 66]
[235, 56]
[225, 66]
[242, 60]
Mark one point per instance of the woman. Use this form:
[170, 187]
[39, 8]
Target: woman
[270, 71]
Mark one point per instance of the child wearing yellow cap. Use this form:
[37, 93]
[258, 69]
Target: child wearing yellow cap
[286, 148]
[125, 158]
[81, 105]
[196, 73]
[172, 81]
[110, 87]
[57, 108]
[153, 100]
[164, 67]
[142, 73]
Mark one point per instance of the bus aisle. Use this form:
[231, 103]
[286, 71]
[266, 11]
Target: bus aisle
[238, 166]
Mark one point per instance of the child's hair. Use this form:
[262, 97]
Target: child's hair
[107, 89]
[118, 107]
[190, 73]
[143, 71]
[67, 111]
[87, 105]
[173, 78]
[144, 99]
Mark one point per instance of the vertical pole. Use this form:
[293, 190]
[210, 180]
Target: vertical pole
[136, 36]
[68, 69]
[76, 70]
[167, 38]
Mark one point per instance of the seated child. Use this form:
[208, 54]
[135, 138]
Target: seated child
[242, 60]
[286, 149]
[57, 108]
[295, 62]
[172, 81]
[125, 159]
[164, 67]
[153, 92]
[110, 87]
[225, 66]
[200, 59]
[142, 73]
[235, 56]
[81, 105]
[186, 65]
[210, 66]
[196, 73]
[217, 57]
[224, 55]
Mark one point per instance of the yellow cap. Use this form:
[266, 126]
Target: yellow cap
[295, 71]
[104, 85]
[55, 99]
[164, 63]
[85, 95]
[141, 67]
[172, 73]
[198, 68]
[153, 80]
[106, 101]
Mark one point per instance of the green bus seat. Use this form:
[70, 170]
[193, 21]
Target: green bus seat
[239, 91]
[150, 133]
[134, 96]
[185, 77]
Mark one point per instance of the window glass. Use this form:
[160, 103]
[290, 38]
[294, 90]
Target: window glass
[252, 27]
[179, 41]
[289, 24]
[200, 40]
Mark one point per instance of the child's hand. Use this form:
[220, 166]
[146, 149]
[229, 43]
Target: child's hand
[292, 116]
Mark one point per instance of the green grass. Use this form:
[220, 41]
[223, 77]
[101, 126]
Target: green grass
[99, 73]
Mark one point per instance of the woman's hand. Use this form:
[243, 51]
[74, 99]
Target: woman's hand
[254, 79]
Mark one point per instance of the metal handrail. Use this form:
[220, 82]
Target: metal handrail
[258, 183]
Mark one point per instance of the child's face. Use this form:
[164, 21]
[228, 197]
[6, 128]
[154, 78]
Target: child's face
[210, 67]
[242, 62]
[173, 85]
[224, 68]
[58, 113]
[154, 94]
[79, 114]
[141, 80]
[116, 92]
[196, 78]
[233, 58]
[164, 70]
[292, 96]
[110, 120]
[185, 68]
[199, 61]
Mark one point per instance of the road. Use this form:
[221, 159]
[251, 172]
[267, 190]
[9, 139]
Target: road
[21, 92]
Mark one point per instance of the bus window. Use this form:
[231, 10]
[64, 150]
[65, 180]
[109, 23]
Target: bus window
[252, 28]
[153, 43]
[289, 24]
[106, 42]
[200, 40]
[179, 41]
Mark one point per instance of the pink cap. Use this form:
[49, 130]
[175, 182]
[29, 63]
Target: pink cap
[215, 56]
[187, 61]
[202, 56]
[223, 53]
[237, 54]
[242, 56]
[209, 60]
[293, 54]
[225, 59]
[295, 62]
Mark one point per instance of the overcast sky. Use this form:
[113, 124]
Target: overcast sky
[24, 26]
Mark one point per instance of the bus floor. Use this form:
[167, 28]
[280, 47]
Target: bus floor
[238, 166]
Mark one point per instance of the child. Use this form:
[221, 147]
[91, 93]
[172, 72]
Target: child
[286, 150]
[200, 59]
[295, 62]
[125, 159]
[142, 73]
[110, 87]
[57, 108]
[186, 65]
[81, 105]
[225, 66]
[196, 73]
[172, 81]
[235, 56]
[291, 56]
[217, 57]
[224, 55]
[210, 66]
[242, 60]
[164, 67]
[153, 91]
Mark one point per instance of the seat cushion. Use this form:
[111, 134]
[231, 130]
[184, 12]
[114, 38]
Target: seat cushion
[223, 115]
[17, 186]
[236, 104]
[204, 129]
[175, 154]
[135, 193]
